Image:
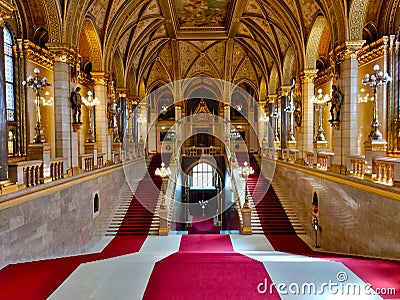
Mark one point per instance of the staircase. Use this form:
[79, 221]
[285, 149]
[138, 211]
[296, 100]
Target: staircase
[134, 216]
[267, 209]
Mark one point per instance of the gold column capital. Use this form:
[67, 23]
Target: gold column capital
[63, 53]
[309, 75]
[352, 48]
[285, 90]
[100, 78]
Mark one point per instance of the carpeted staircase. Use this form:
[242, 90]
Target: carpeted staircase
[135, 218]
[270, 212]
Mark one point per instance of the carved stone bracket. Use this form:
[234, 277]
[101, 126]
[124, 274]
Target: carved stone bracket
[76, 127]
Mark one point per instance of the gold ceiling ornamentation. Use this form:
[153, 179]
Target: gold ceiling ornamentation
[356, 18]
[314, 41]
[53, 21]
[94, 45]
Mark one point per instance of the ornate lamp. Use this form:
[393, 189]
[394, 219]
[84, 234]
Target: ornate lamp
[375, 81]
[90, 102]
[37, 84]
[320, 100]
[163, 172]
[246, 171]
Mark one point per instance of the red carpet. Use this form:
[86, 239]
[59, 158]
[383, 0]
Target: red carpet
[207, 268]
[200, 225]
[39, 279]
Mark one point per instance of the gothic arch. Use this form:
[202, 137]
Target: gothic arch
[288, 67]
[53, 20]
[273, 80]
[118, 69]
[94, 44]
[314, 41]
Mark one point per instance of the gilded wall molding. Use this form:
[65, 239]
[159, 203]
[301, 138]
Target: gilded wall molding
[323, 77]
[38, 55]
[371, 52]
[6, 12]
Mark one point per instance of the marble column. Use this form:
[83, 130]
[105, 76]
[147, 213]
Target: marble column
[66, 143]
[307, 123]
[346, 138]
[101, 120]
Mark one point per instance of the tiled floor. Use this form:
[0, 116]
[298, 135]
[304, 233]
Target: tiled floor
[294, 276]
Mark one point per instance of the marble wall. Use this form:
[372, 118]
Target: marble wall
[61, 222]
[351, 220]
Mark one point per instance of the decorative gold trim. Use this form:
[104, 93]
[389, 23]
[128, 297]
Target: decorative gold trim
[363, 185]
[63, 53]
[323, 77]
[38, 55]
[371, 52]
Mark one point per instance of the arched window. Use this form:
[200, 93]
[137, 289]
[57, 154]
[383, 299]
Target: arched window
[9, 75]
[203, 175]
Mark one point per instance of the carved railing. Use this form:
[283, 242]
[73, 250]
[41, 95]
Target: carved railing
[357, 165]
[309, 159]
[324, 160]
[28, 173]
[57, 168]
[100, 160]
[199, 151]
[86, 162]
[386, 170]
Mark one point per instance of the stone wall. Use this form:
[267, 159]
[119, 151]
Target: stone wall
[56, 219]
[352, 220]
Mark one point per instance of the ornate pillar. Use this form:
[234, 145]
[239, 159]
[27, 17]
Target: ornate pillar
[382, 101]
[66, 143]
[346, 139]
[102, 136]
[284, 96]
[307, 126]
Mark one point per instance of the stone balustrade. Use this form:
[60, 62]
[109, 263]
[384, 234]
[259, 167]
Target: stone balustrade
[309, 159]
[100, 160]
[28, 173]
[57, 168]
[199, 151]
[357, 165]
[86, 162]
[387, 170]
[324, 160]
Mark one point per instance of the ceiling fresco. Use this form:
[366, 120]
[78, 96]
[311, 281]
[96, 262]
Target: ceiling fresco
[202, 13]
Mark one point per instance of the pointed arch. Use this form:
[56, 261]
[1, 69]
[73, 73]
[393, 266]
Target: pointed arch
[52, 13]
[93, 39]
[273, 80]
[118, 69]
[288, 67]
[314, 41]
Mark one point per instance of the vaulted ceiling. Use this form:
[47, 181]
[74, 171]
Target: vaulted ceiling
[262, 42]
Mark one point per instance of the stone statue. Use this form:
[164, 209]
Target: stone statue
[336, 103]
[76, 101]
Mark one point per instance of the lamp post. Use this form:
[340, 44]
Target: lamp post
[37, 84]
[319, 100]
[375, 81]
[163, 172]
[246, 171]
[90, 102]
